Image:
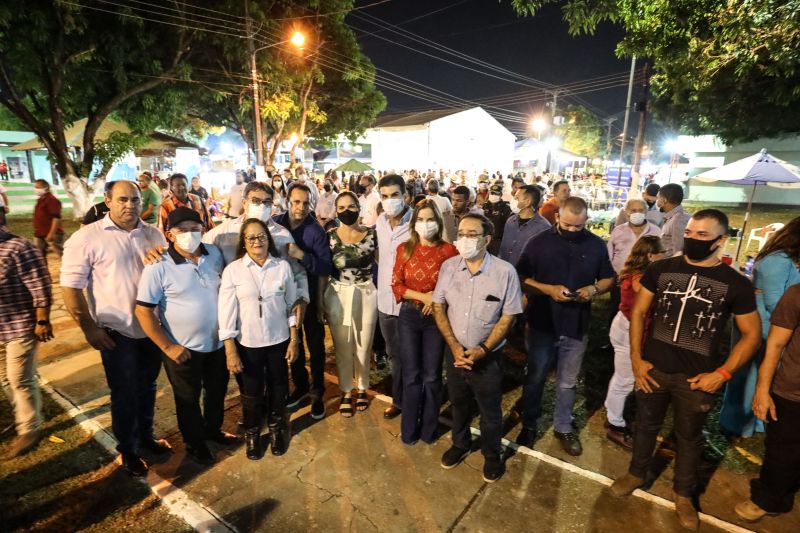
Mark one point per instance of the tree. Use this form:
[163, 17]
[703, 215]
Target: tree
[723, 67]
[60, 62]
[581, 131]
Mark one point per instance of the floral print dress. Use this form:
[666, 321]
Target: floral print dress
[353, 262]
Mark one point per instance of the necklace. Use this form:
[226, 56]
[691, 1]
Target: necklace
[259, 288]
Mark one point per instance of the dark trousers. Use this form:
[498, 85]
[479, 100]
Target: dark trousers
[205, 373]
[775, 487]
[484, 384]
[690, 407]
[422, 350]
[388, 325]
[265, 367]
[131, 369]
[314, 332]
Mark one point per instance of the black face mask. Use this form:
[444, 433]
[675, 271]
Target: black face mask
[650, 204]
[569, 235]
[348, 218]
[327, 188]
[697, 250]
[360, 189]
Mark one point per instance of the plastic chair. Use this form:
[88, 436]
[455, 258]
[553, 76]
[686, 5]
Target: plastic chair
[761, 235]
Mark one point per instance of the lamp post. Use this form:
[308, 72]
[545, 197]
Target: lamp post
[539, 125]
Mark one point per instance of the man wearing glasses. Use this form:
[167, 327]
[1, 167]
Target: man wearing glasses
[474, 304]
[170, 293]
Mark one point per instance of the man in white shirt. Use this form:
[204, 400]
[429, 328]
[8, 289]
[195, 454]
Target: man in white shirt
[309, 182]
[326, 205]
[369, 200]
[105, 259]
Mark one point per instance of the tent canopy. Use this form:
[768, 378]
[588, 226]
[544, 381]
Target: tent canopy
[353, 166]
[758, 169]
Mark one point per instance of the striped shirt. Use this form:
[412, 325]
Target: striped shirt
[24, 286]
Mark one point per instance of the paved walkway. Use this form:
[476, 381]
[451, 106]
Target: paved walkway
[356, 475]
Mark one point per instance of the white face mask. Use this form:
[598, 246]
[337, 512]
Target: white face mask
[494, 198]
[426, 230]
[637, 219]
[39, 192]
[392, 206]
[261, 212]
[188, 241]
[469, 247]
[277, 185]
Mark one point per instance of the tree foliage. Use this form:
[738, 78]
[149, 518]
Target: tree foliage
[727, 67]
[581, 131]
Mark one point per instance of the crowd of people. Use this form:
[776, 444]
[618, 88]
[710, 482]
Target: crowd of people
[434, 273]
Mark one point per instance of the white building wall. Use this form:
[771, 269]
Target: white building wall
[398, 149]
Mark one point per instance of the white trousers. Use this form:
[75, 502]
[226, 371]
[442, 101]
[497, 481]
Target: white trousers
[20, 383]
[352, 311]
[622, 381]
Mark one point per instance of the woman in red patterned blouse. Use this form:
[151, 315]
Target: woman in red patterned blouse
[414, 277]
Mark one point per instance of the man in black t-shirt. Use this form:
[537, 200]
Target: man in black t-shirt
[690, 299]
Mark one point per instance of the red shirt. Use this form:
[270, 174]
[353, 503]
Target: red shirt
[627, 295]
[47, 208]
[549, 210]
[421, 271]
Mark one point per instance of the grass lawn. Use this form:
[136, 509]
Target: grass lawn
[22, 224]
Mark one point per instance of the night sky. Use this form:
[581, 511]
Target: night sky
[539, 47]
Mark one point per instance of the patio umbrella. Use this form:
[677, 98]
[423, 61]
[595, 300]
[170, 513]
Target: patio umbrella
[353, 166]
[758, 169]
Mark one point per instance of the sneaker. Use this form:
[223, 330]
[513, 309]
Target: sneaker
[626, 484]
[317, 409]
[296, 398]
[24, 443]
[453, 457]
[200, 454]
[134, 465]
[493, 469]
[527, 437]
[570, 443]
[747, 510]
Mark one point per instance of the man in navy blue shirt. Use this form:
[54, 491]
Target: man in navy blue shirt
[561, 270]
[313, 253]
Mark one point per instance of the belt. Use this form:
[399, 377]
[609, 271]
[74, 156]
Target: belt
[346, 291]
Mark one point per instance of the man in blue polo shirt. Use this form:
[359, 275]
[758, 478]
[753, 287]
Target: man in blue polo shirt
[561, 269]
[176, 306]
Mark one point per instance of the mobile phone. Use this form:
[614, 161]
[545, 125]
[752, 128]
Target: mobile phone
[571, 294]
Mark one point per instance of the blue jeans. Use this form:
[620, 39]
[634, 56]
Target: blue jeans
[421, 350]
[388, 325]
[543, 349]
[131, 369]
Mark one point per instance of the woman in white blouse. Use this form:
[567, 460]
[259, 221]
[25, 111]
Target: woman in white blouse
[256, 322]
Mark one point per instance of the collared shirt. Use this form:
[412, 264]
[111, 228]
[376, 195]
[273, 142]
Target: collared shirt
[107, 260]
[24, 285]
[388, 240]
[326, 206]
[312, 239]
[369, 208]
[675, 222]
[475, 302]
[225, 236]
[151, 196]
[654, 215]
[186, 295]
[255, 302]
[517, 233]
[171, 203]
[551, 259]
[622, 240]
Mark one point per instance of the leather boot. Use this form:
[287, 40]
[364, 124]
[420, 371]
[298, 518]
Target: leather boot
[279, 435]
[687, 514]
[252, 439]
[626, 484]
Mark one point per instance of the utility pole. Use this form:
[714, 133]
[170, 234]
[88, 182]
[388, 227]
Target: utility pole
[553, 109]
[625, 123]
[637, 153]
[256, 96]
[609, 121]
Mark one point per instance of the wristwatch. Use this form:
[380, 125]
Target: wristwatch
[42, 322]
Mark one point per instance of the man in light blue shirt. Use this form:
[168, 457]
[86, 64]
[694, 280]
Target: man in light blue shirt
[393, 230]
[474, 304]
[523, 226]
[176, 306]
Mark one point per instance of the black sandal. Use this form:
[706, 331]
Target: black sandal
[346, 406]
[362, 402]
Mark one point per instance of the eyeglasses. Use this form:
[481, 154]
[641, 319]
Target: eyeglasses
[470, 235]
[261, 237]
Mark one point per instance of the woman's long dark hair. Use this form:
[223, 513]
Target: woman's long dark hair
[413, 238]
[786, 239]
[638, 261]
[240, 248]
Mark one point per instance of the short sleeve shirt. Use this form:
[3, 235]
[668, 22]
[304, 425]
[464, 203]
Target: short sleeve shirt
[787, 316]
[151, 197]
[691, 306]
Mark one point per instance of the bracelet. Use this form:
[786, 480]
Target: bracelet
[483, 347]
[724, 373]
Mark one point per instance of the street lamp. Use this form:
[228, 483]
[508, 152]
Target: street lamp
[298, 39]
[539, 125]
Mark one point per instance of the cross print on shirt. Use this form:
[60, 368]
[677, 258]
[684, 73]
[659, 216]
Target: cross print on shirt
[691, 293]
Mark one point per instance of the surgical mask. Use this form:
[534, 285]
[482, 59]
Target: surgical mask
[470, 247]
[348, 217]
[277, 185]
[697, 250]
[427, 229]
[392, 206]
[261, 212]
[39, 192]
[188, 241]
[637, 219]
[494, 198]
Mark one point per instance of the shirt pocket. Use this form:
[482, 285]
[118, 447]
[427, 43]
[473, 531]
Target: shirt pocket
[488, 311]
